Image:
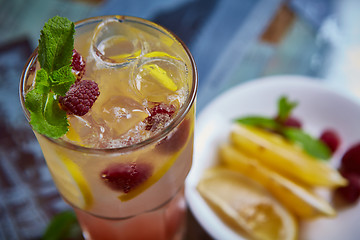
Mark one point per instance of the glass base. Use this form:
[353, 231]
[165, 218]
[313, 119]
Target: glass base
[165, 223]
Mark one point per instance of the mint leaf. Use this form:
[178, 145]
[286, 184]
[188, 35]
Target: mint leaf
[34, 100]
[46, 118]
[56, 44]
[53, 114]
[284, 108]
[42, 84]
[40, 125]
[63, 226]
[312, 146]
[61, 80]
[258, 121]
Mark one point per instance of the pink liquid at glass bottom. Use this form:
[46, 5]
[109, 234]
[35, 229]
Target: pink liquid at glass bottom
[164, 223]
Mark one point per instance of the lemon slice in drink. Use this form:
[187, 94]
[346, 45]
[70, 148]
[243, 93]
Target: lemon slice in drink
[246, 206]
[70, 181]
[157, 54]
[300, 200]
[72, 135]
[161, 76]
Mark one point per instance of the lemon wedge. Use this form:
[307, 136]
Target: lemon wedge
[300, 200]
[246, 206]
[157, 54]
[161, 76]
[70, 181]
[72, 135]
[126, 56]
[284, 157]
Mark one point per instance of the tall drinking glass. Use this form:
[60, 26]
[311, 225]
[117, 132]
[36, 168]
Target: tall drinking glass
[122, 165]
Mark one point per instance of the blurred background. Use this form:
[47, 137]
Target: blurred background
[232, 41]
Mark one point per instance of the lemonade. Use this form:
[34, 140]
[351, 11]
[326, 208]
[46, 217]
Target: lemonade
[123, 163]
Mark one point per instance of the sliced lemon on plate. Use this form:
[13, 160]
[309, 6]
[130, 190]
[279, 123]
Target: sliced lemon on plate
[277, 153]
[70, 181]
[246, 206]
[299, 199]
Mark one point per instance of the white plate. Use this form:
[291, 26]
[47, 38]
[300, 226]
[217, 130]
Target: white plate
[318, 108]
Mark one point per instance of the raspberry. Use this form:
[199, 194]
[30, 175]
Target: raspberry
[351, 192]
[331, 139]
[290, 122]
[158, 116]
[176, 139]
[350, 162]
[78, 65]
[126, 176]
[80, 97]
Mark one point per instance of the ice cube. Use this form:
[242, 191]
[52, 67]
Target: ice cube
[120, 114]
[159, 79]
[115, 43]
[85, 131]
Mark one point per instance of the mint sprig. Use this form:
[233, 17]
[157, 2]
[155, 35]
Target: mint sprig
[261, 122]
[309, 144]
[53, 79]
[56, 43]
[64, 225]
[284, 108]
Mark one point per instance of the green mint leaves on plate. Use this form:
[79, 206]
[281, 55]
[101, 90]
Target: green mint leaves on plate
[284, 108]
[53, 79]
[312, 146]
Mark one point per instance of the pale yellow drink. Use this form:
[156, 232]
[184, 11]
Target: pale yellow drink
[139, 68]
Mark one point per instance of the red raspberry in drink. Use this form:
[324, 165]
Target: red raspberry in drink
[78, 65]
[124, 177]
[80, 97]
[175, 140]
[159, 115]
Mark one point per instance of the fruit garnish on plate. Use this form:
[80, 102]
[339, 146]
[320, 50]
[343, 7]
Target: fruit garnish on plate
[246, 206]
[350, 170]
[60, 67]
[286, 158]
[297, 198]
[276, 153]
[289, 127]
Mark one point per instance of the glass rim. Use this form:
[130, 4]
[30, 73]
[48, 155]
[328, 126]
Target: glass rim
[185, 108]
